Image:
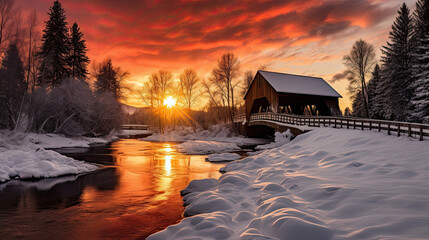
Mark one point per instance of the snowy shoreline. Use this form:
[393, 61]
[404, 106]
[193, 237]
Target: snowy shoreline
[30, 155]
[325, 184]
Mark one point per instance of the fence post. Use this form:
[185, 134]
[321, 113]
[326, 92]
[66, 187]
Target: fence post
[379, 126]
[347, 124]
[362, 126]
[335, 123]
[370, 125]
[354, 124]
[388, 129]
[409, 130]
[341, 123]
[421, 133]
[399, 129]
[324, 120]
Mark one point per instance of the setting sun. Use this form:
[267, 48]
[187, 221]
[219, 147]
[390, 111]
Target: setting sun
[170, 102]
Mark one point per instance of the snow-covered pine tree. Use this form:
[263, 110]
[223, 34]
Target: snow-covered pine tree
[77, 60]
[397, 61]
[420, 101]
[55, 48]
[12, 87]
[374, 100]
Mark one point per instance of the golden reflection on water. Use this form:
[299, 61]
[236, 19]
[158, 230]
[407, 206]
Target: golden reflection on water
[137, 196]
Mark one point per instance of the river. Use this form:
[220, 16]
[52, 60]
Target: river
[134, 194]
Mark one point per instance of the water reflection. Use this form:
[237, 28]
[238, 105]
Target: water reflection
[134, 197]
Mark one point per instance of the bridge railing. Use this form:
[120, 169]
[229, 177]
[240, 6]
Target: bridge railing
[414, 130]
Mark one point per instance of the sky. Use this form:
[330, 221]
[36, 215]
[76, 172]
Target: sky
[292, 36]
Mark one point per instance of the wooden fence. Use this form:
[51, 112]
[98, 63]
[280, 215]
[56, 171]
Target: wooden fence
[414, 130]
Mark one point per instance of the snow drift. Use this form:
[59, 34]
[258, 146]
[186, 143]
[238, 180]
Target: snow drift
[22, 155]
[325, 184]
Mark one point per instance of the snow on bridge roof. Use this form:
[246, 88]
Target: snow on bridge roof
[297, 84]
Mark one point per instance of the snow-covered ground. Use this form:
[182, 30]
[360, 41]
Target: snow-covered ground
[280, 139]
[218, 133]
[217, 139]
[325, 184]
[23, 155]
[222, 157]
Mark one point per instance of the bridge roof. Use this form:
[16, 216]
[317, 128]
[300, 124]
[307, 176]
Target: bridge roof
[297, 84]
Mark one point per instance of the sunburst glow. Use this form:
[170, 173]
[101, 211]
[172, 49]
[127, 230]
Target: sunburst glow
[170, 101]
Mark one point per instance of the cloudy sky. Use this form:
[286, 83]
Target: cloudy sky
[293, 36]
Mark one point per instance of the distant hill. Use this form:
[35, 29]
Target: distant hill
[130, 109]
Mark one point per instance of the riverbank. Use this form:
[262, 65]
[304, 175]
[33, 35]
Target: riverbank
[325, 184]
[27, 155]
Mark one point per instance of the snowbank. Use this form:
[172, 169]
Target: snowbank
[325, 184]
[280, 139]
[222, 157]
[22, 155]
[218, 133]
[206, 147]
[10, 140]
[39, 163]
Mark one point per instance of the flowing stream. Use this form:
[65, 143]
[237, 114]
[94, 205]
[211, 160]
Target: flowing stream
[134, 194]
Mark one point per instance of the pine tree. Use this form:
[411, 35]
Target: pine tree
[77, 60]
[397, 63]
[55, 48]
[420, 101]
[375, 103]
[108, 79]
[12, 86]
[358, 105]
[420, 68]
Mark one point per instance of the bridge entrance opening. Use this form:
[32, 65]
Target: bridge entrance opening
[260, 105]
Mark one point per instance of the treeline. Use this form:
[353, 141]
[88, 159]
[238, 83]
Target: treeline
[398, 89]
[46, 88]
[223, 89]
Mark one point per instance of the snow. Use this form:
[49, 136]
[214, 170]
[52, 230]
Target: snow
[289, 83]
[39, 163]
[199, 147]
[34, 140]
[280, 139]
[23, 155]
[221, 157]
[325, 184]
[218, 133]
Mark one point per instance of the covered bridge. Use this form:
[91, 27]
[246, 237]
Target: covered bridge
[292, 94]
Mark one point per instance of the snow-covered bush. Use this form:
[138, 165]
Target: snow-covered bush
[72, 109]
[280, 139]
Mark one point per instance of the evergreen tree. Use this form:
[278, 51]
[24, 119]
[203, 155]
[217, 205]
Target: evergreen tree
[12, 87]
[420, 68]
[397, 63]
[108, 79]
[55, 47]
[77, 60]
[374, 99]
[420, 101]
[358, 105]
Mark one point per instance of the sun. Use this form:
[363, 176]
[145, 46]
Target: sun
[170, 101]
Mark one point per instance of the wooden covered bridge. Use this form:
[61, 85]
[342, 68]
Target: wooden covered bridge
[279, 101]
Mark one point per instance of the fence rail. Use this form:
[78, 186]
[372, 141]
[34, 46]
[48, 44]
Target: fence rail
[414, 130]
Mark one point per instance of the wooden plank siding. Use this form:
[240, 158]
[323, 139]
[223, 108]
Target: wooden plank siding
[260, 88]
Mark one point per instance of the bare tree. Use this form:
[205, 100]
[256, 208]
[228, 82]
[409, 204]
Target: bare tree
[7, 12]
[31, 60]
[360, 62]
[223, 83]
[154, 91]
[247, 80]
[189, 83]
